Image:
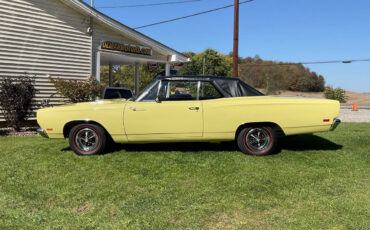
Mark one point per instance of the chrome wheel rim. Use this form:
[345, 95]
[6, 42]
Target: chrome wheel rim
[87, 140]
[258, 140]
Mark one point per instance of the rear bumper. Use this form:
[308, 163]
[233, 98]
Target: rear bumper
[335, 124]
[42, 133]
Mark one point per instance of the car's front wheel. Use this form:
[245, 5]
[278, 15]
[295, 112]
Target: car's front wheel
[87, 139]
[257, 140]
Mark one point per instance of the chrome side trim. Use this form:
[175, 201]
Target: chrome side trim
[335, 124]
[42, 133]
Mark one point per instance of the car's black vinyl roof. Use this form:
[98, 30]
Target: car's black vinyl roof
[198, 78]
[228, 86]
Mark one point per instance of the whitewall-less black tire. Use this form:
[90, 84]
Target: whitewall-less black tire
[257, 140]
[87, 139]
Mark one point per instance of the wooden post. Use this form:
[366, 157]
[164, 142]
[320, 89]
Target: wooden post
[137, 76]
[236, 39]
[110, 75]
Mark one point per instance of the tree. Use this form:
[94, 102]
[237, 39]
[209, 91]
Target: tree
[210, 62]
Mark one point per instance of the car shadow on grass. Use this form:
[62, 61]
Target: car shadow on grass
[294, 143]
[178, 147]
[308, 142]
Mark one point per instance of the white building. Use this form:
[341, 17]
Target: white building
[70, 40]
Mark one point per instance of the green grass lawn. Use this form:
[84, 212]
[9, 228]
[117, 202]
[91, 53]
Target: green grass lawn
[316, 182]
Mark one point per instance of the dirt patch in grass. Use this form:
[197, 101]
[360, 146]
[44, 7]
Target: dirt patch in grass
[86, 207]
[246, 219]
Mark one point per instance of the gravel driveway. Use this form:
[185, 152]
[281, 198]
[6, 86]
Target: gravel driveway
[347, 115]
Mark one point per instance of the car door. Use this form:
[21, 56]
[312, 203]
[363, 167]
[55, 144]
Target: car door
[177, 115]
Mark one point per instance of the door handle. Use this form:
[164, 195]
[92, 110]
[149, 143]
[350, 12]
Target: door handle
[194, 108]
[135, 109]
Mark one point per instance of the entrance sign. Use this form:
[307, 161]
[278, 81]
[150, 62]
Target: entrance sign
[126, 47]
[179, 66]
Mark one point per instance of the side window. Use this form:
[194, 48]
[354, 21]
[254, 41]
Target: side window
[178, 90]
[208, 91]
[152, 94]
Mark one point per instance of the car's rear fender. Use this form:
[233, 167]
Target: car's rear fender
[273, 125]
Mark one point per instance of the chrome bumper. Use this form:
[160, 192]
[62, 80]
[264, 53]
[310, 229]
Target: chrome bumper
[42, 133]
[335, 124]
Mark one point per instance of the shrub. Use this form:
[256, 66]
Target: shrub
[338, 94]
[16, 94]
[78, 91]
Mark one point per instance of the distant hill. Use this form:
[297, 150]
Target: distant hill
[276, 76]
[270, 75]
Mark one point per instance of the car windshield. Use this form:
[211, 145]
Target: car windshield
[144, 91]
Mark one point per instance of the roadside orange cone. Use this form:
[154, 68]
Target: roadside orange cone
[354, 108]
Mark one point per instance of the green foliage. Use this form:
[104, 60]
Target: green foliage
[124, 76]
[16, 94]
[338, 94]
[214, 63]
[78, 91]
[313, 183]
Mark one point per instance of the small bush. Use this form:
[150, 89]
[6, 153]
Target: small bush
[16, 94]
[338, 94]
[78, 91]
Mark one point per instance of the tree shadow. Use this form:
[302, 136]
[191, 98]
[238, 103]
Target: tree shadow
[294, 143]
[308, 142]
[4, 132]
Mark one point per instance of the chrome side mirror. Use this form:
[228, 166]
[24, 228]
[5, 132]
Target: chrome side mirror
[158, 100]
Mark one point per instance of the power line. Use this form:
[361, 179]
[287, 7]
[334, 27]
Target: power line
[148, 4]
[192, 15]
[311, 63]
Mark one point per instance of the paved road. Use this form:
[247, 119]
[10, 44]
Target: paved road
[362, 115]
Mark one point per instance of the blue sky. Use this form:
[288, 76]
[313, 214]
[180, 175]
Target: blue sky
[281, 30]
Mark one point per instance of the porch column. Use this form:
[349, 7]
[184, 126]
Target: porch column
[168, 69]
[137, 76]
[97, 70]
[110, 75]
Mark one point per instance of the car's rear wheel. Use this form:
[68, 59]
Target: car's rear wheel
[87, 139]
[257, 140]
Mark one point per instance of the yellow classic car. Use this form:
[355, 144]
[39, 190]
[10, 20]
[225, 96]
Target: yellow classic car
[188, 109]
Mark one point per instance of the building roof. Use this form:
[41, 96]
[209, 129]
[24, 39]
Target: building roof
[81, 6]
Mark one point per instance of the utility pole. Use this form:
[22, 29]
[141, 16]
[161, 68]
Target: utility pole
[92, 3]
[236, 39]
[204, 66]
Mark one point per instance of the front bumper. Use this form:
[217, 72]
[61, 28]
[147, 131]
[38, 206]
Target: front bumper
[335, 124]
[42, 133]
